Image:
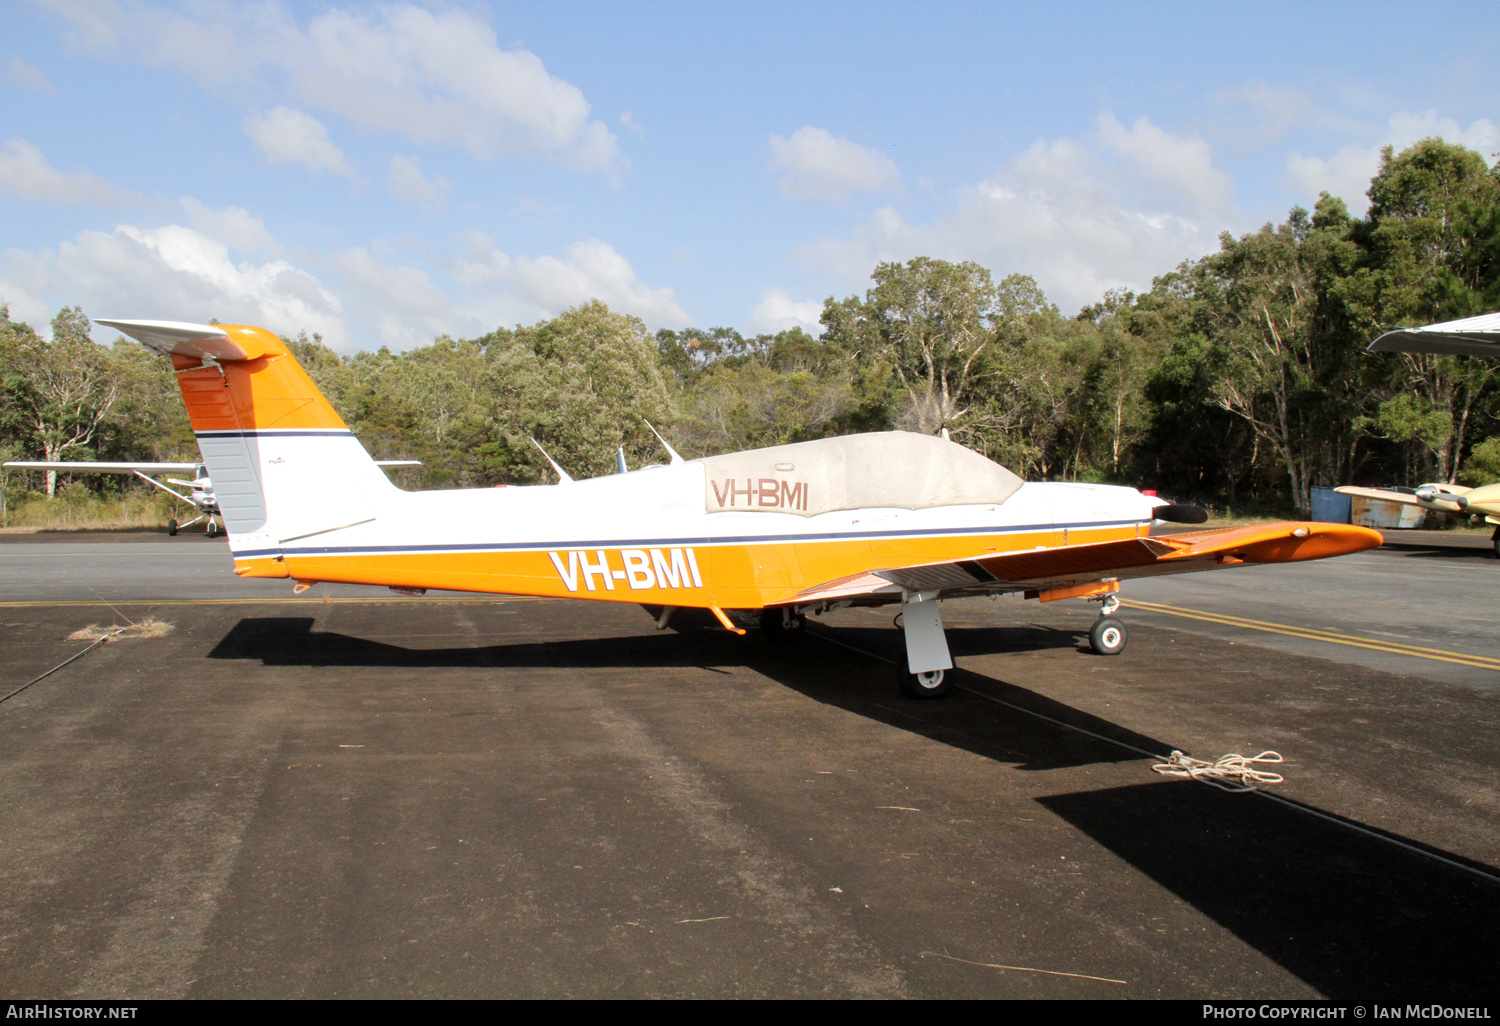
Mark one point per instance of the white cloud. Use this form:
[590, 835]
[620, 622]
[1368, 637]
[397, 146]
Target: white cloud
[409, 184]
[168, 273]
[523, 289]
[287, 136]
[1079, 216]
[25, 172]
[1347, 173]
[399, 306]
[1256, 113]
[232, 226]
[1169, 167]
[28, 76]
[814, 164]
[427, 76]
[778, 311]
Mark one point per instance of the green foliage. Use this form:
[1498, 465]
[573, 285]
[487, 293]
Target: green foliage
[1239, 378]
[1483, 464]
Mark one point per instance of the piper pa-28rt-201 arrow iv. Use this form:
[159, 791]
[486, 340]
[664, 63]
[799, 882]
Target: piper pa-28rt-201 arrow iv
[891, 518]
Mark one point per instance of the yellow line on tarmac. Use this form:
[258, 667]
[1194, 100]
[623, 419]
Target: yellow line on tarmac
[316, 601]
[1394, 648]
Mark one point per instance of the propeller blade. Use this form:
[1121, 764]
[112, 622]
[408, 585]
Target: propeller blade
[1181, 513]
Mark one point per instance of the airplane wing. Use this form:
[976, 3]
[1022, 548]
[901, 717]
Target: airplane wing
[1471, 336]
[1069, 571]
[1386, 495]
[84, 467]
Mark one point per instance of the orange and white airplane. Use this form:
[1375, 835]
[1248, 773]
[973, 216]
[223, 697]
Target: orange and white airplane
[891, 518]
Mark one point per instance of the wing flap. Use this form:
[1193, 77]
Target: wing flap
[1071, 565]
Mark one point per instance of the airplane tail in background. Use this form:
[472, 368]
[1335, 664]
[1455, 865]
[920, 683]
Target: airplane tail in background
[285, 467]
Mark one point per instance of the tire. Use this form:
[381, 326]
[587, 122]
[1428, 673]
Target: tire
[1495, 541]
[774, 628]
[172, 527]
[934, 684]
[1107, 636]
[212, 528]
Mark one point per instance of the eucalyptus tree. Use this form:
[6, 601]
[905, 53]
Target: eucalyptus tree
[1432, 253]
[931, 320]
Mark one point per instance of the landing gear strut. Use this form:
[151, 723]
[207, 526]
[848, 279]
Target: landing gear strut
[927, 657]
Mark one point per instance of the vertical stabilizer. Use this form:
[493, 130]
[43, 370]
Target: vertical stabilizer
[285, 467]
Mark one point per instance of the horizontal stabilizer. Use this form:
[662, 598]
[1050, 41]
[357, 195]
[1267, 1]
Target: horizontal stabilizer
[196, 341]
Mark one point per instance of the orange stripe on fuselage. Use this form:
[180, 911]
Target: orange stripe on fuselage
[734, 576]
[267, 391]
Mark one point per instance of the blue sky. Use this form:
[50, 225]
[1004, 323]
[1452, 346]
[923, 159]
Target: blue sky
[383, 173]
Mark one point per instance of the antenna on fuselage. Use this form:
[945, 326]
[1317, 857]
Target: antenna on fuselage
[670, 451]
[620, 467]
[562, 474]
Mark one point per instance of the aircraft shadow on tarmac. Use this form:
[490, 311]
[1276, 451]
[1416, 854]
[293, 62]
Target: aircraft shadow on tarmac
[1352, 915]
[823, 672]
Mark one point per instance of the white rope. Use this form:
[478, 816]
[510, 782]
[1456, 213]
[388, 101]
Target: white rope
[1231, 773]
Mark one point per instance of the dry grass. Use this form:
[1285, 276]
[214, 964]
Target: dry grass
[148, 627]
[77, 509]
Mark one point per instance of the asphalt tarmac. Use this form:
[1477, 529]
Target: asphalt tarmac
[353, 794]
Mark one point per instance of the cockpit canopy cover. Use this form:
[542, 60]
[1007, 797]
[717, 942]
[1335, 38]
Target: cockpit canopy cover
[891, 469]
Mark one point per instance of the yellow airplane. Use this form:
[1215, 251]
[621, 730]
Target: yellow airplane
[784, 532]
[1471, 336]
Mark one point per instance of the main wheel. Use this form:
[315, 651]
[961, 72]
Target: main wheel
[931, 684]
[1495, 540]
[1107, 636]
[172, 527]
[776, 625]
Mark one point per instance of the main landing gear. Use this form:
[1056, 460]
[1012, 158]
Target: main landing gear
[781, 624]
[1108, 635]
[927, 657]
[211, 528]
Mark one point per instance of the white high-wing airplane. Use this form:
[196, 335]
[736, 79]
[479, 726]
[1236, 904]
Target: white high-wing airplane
[1471, 336]
[200, 488]
[785, 532]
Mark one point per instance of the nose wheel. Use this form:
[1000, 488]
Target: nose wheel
[1107, 636]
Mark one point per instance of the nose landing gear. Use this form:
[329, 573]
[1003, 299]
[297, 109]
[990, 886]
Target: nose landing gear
[1108, 635]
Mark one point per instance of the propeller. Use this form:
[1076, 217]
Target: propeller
[1181, 513]
[1433, 493]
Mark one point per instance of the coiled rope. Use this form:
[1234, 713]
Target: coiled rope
[1230, 773]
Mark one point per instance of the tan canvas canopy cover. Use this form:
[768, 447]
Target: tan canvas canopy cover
[897, 469]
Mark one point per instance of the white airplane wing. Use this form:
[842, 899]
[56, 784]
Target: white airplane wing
[1471, 336]
[83, 467]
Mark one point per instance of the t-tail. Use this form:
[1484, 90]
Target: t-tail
[285, 467]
